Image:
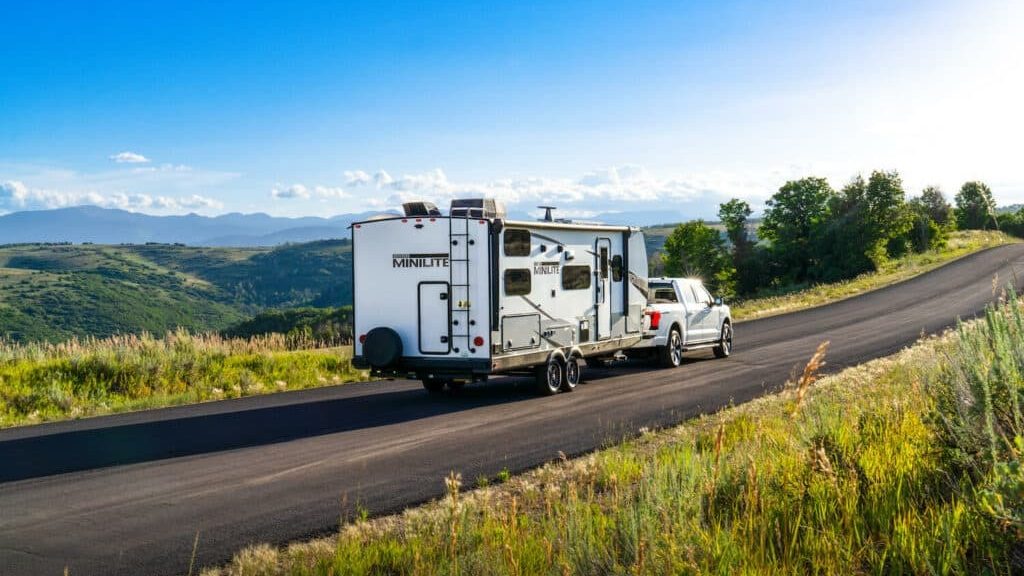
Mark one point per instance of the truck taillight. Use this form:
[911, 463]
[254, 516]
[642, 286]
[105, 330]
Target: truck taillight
[478, 341]
[362, 338]
[655, 319]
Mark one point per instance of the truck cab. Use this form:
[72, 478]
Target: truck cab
[681, 315]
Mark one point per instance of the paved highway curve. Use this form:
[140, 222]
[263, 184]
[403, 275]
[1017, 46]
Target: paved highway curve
[126, 494]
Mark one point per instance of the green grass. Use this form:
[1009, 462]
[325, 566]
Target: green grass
[79, 378]
[961, 243]
[906, 465]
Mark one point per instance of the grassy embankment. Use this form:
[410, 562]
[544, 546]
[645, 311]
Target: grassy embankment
[57, 292]
[789, 299]
[41, 382]
[909, 464]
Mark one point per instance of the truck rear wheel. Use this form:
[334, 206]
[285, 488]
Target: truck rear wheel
[550, 376]
[671, 354]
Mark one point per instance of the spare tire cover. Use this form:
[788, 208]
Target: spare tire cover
[383, 347]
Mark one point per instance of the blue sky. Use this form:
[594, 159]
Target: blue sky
[308, 108]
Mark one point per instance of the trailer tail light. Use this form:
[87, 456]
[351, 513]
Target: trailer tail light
[362, 338]
[478, 341]
[655, 319]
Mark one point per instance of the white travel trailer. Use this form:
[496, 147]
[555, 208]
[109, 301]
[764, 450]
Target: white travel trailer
[454, 299]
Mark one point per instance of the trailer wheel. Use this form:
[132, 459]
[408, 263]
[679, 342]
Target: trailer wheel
[671, 354]
[433, 385]
[724, 348]
[573, 373]
[550, 376]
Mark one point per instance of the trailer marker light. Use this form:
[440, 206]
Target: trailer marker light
[404, 220]
[655, 319]
[478, 341]
[362, 338]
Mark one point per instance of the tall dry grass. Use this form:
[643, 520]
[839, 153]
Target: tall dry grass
[83, 377]
[908, 465]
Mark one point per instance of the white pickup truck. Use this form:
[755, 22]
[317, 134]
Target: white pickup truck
[682, 315]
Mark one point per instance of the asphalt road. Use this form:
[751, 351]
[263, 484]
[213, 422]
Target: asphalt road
[127, 494]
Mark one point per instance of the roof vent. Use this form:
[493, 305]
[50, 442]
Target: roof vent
[477, 208]
[420, 209]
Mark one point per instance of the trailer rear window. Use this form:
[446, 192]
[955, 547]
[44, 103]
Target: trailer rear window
[575, 277]
[517, 242]
[517, 281]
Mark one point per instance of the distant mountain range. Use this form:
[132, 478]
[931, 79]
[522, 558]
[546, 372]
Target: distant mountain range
[81, 224]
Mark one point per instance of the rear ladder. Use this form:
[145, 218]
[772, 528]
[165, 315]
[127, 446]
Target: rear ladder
[458, 278]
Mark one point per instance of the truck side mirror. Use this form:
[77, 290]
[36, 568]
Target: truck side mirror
[719, 301]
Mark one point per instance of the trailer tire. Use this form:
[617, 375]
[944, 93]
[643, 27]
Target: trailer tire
[550, 376]
[671, 354]
[573, 373]
[724, 348]
[382, 347]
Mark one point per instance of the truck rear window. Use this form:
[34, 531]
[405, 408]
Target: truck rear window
[517, 242]
[575, 277]
[663, 294]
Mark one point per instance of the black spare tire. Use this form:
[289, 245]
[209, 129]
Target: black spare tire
[382, 348]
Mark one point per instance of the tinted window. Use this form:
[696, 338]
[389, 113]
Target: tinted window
[663, 294]
[702, 294]
[575, 277]
[517, 242]
[617, 268]
[688, 296]
[604, 263]
[517, 281]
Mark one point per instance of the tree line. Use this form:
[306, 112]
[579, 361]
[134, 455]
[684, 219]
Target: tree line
[811, 233]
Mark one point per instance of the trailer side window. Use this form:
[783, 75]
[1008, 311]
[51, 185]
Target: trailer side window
[617, 268]
[517, 242]
[517, 281]
[575, 277]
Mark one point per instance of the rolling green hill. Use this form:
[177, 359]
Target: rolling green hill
[56, 291]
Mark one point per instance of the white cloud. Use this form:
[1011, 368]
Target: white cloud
[15, 195]
[129, 158]
[293, 191]
[330, 192]
[382, 178]
[618, 188]
[356, 178]
[302, 192]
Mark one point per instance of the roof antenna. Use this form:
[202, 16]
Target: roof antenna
[547, 213]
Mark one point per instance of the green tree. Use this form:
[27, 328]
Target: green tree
[694, 249]
[733, 215]
[887, 218]
[925, 233]
[935, 205]
[792, 218]
[745, 257]
[842, 242]
[975, 207]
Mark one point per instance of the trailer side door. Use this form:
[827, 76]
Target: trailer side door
[602, 301]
